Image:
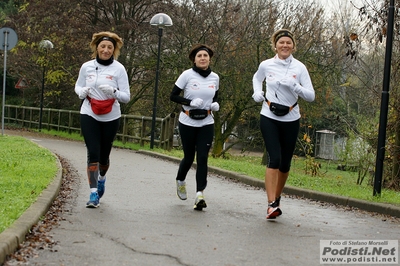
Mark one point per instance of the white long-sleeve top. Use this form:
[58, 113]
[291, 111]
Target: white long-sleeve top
[273, 71]
[92, 75]
[195, 86]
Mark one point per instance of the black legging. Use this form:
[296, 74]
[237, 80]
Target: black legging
[99, 137]
[280, 141]
[195, 139]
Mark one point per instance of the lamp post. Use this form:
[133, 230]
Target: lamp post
[160, 20]
[380, 153]
[46, 45]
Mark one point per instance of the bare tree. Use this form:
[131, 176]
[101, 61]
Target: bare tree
[374, 15]
[70, 25]
[238, 30]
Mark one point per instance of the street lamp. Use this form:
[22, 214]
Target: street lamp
[161, 20]
[380, 154]
[46, 45]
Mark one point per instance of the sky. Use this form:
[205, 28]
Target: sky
[337, 4]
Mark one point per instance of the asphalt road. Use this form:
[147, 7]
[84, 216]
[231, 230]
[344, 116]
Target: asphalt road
[141, 221]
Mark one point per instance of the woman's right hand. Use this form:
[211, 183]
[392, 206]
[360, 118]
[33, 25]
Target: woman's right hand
[258, 96]
[196, 103]
[84, 92]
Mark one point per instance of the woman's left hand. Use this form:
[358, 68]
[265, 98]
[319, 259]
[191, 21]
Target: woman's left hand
[288, 82]
[107, 90]
[291, 83]
[214, 106]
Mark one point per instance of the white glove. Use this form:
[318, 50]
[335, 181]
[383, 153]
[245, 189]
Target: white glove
[214, 106]
[84, 92]
[107, 90]
[289, 82]
[258, 96]
[196, 102]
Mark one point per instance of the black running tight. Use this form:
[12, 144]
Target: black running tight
[195, 141]
[99, 137]
[280, 141]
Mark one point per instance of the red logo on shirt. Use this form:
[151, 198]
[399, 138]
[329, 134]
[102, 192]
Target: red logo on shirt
[109, 77]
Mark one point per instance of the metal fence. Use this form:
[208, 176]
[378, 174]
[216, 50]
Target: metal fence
[133, 128]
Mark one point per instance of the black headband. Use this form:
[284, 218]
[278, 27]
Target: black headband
[198, 48]
[202, 49]
[282, 34]
[106, 38]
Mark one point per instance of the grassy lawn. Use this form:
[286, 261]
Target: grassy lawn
[26, 169]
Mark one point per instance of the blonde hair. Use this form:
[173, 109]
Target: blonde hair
[96, 39]
[282, 33]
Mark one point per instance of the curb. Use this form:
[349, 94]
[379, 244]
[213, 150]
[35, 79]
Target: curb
[381, 208]
[12, 237]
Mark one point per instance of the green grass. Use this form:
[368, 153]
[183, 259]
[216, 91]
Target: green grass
[25, 170]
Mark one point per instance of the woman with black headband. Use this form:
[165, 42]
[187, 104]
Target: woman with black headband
[196, 123]
[101, 85]
[286, 79]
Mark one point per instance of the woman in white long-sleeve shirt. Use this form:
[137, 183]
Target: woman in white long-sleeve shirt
[286, 80]
[101, 85]
[199, 85]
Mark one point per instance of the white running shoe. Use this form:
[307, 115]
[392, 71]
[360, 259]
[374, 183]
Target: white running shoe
[181, 189]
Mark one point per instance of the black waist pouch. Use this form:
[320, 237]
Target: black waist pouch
[197, 114]
[280, 109]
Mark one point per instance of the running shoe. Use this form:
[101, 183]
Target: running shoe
[101, 187]
[273, 209]
[93, 201]
[181, 189]
[199, 203]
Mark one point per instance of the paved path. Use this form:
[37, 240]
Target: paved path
[142, 222]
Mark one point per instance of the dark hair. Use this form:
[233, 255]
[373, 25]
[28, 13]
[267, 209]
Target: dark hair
[199, 47]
